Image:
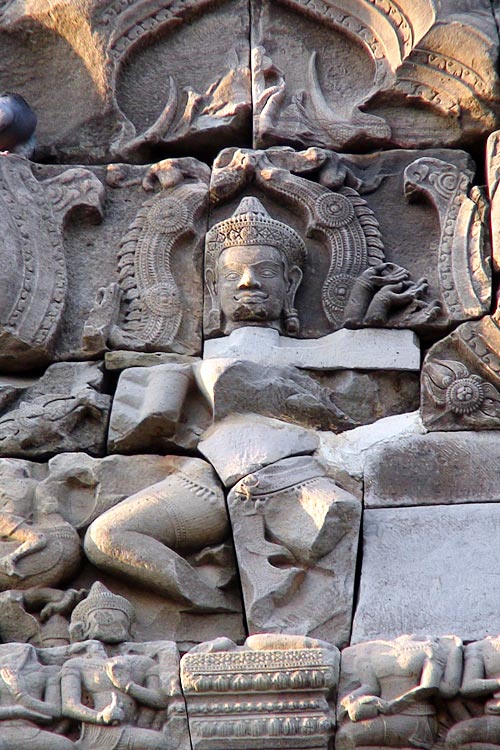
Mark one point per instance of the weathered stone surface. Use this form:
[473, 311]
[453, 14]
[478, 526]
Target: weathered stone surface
[234, 386]
[121, 360]
[34, 281]
[363, 350]
[78, 489]
[64, 410]
[348, 452]
[123, 81]
[461, 379]
[433, 469]
[373, 75]
[275, 689]
[242, 444]
[132, 281]
[429, 570]
[493, 178]
[481, 672]
[156, 408]
[296, 534]
[394, 240]
[398, 689]
[38, 547]
[148, 538]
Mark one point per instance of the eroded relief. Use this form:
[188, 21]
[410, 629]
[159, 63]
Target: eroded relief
[366, 73]
[210, 359]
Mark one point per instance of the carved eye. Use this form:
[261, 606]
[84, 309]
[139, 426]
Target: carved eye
[231, 276]
[268, 273]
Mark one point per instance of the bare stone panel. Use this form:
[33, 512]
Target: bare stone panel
[429, 570]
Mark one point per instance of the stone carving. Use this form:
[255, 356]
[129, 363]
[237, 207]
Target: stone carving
[317, 196]
[364, 75]
[33, 283]
[39, 616]
[30, 694]
[390, 691]
[480, 681]
[493, 178]
[130, 685]
[139, 87]
[294, 529]
[145, 538]
[157, 408]
[79, 489]
[64, 410]
[38, 547]
[464, 263]
[275, 689]
[171, 222]
[461, 379]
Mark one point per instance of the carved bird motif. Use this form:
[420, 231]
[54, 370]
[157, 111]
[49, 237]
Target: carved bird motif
[17, 125]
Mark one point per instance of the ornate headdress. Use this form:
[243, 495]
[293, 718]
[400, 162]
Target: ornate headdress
[101, 598]
[250, 224]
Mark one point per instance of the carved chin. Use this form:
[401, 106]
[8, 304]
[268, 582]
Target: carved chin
[250, 312]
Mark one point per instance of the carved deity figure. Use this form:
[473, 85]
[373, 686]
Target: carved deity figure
[120, 686]
[394, 705]
[144, 537]
[254, 268]
[37, 546]
[481, 680]
[30, 694]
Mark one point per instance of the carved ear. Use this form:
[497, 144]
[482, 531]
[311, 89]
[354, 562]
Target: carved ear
[211, 283]
[214, 315]
[294, 278]
[76, 632]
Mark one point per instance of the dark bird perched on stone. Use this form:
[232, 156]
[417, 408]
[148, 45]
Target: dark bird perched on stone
[17, 125]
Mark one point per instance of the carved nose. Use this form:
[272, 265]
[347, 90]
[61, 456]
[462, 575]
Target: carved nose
[248, 280]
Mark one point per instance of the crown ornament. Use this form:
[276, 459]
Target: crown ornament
[102, 598]
[250, 224]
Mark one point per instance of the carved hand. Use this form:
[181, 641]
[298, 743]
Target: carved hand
[365, 707]
[112, 714]
[384, 274]
[13, 681]
[8, 565]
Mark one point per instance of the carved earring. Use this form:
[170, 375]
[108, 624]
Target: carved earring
[291, 319]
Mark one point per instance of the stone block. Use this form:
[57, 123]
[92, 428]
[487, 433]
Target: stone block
[296, 534]
[429, 570]
[156, 408]
[64, 410]
[433, 469]
[244, 443]
[366, 349]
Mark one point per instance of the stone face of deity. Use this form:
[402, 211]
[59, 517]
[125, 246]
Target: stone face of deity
[253, 285]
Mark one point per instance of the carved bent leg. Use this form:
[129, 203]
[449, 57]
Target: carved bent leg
[399, 731]
[17, 735]
[142, 739]
[140, 539]
[475, 734]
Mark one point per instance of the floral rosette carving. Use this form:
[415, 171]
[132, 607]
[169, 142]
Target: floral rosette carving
[466, 395]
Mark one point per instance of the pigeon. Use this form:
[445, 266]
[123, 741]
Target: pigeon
[17, 125]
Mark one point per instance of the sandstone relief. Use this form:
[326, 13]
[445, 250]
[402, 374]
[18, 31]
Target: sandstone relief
[373, 74]
[245, 239]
